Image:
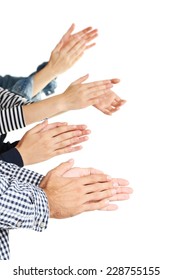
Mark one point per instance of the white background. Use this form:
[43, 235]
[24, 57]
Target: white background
[135, 45]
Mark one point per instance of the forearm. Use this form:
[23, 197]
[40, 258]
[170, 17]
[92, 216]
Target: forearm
[46, 108]
[42, 78]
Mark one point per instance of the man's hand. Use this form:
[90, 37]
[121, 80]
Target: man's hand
[68, 197]
[123, 191]
[89, 190]
[45, 141]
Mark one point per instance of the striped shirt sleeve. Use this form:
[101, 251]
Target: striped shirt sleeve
[11, 113]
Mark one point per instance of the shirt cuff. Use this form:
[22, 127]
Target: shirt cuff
[12, 156]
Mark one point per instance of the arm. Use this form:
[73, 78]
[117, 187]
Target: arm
[77, 96]
[15, 114]
[66, 53]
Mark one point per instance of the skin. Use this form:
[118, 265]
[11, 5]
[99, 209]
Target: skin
[110, 102]
[50, 140]
[66, 53]
[78, 95]
[90, 190]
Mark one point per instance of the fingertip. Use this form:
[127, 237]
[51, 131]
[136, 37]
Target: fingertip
[70, 160]
[115, 80]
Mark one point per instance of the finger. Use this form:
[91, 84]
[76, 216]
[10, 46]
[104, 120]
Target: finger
[67, 128]
[92, 179]
[110, 207]
[80, 80]
[91, 206]
[54, 125]
[80, 140]
[98, 83]
[97, 196]
[70, 142]
[39, 127]
[66, 150]
[90, 35]
[93, 171]
[106, 112]
[115, 97]
[83, 32]
[119, 197]
[63, 167]
[121, 190]
[122, 102]
[120, 181]
[90, 46]
[113, 110]
[71, 134]
[99, 187]
[115, 81]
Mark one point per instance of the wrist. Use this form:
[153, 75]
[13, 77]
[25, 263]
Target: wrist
[62, 104]
[52, 73]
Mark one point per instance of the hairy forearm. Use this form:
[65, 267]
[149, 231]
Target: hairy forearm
[46, 108]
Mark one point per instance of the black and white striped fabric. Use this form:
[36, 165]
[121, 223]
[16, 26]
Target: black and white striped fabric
[11, 114]
[22, 203]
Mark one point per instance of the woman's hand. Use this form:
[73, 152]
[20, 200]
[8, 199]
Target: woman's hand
[45, 141]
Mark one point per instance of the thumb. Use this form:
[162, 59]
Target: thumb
[64, 167]
[58, 47]
[80, 80]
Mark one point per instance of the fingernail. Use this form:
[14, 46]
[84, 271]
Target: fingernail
[114, 184]
[71, 160]
[107, 202]
[114, 191]
[109, 178]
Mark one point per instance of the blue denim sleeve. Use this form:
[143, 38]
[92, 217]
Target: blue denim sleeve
[23, 87]
[7, 82]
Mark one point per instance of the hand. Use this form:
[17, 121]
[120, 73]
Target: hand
[45, 141]
[68, 197]
[79, 95]
[109, 102]
[70, 49]
[121, 185]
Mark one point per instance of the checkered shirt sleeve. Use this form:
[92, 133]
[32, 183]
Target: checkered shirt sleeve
[22, 203]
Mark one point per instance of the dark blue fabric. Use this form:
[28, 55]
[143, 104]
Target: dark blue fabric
[9, 153]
